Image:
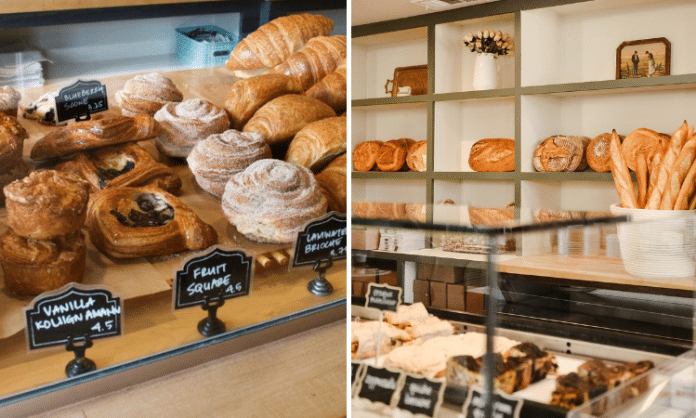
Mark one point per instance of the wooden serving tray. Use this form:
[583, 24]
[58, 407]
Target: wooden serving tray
[415, 77]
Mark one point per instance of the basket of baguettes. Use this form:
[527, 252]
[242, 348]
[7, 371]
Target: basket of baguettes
[659, 241]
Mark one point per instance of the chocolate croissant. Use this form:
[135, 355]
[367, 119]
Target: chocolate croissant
[318, 58]
[127, 222]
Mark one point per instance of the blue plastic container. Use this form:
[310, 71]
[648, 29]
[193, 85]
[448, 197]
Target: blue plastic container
[195, 53]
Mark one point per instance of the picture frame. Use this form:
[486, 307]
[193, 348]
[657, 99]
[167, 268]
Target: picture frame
[643, 58]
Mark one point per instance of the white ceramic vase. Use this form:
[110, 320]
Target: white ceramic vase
[485, 71]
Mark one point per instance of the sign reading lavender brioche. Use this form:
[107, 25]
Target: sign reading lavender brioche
[503, 406]
[81, 99]
[421, 396]
[217, 274]
[322, 239]
[383, 297]
[73, 311]
[379, 384]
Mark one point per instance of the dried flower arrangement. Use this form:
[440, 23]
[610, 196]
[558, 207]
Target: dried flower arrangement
[489, 41]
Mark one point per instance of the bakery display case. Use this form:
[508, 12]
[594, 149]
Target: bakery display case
[145, 207]
[605, 317]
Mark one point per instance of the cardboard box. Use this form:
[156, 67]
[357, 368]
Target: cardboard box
[364, 239]
[357, 289]
[456, 297]
[474, 299]
[421, 292]
[438, 295]
[387, 277]
[440, 273]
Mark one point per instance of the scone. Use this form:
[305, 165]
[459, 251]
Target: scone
[32, 266]
[147, 93]
[43, 109]
[271, 200]
[184, 124]
[9, 100]
[218, 157]
[128, 222]
[46, 204]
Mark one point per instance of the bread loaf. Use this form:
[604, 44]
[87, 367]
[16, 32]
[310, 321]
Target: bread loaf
[597, 153]
[560, 153]
[493, 155]
[417, 156]
[392, 155]
[365, 155]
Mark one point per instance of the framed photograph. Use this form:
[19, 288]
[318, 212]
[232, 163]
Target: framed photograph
[644, 58]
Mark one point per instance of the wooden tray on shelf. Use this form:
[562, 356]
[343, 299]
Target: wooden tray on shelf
[415, 77]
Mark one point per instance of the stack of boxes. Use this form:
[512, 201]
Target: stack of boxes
[362, 276]
[449, 287]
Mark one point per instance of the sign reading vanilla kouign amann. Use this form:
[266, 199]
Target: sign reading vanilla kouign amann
[271, 200]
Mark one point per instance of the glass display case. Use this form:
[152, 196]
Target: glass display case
[599, 303]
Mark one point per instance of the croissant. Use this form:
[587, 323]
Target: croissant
[281, 118]
[332, 88]
[318, 143]
[127, 222]
[121, 165]
[94, 133]
[248, 95]
[333, 183]
[274, 42]
[319, 57]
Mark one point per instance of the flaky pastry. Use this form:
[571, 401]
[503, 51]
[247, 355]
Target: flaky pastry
[147, 93]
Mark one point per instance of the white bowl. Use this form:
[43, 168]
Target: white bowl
[657, 244]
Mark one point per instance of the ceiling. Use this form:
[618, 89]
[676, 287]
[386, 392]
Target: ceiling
[370, 11]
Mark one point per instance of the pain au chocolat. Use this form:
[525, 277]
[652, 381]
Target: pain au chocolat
[127, 222]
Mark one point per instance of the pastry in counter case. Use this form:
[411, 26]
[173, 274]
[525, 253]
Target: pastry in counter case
[364, 336]
[9, 101]
[315, 60]
[220, 156]
[12, 136]
[147, 93]
[248, 95]
[318, 143]
[511, 374]
[332, 89]
[271, 200]
[281, 118]
[46, 204]
[17, 171]
[95, 133]
[185, 124]
[43, 109]
[333, 181]
[406, 313]
[33, 266]
[365, 155]
[121, 165]
[273, 42]
[128, 222]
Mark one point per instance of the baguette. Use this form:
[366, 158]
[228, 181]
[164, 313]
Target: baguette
[685, 195]
[642, 177]
[678, 173]
[670, 156]
[622, 178]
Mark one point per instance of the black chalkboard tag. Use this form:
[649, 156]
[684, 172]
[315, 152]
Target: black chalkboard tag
[383, 297]
[322, 239]
[356, 373]
[379, 385]
[504, 406]
[79, 100]
[208, 280]
[421, 396]
[73, 316]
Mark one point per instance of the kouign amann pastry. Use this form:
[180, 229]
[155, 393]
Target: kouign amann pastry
[184, 124]
[318, 143]
[333, 182]
[127, 222]
[121, 165]
[147, 93]
[9, 100]
[12, 136]
[248, 95]
[12, 173]
[271, 200]
[218, 157]
[318, 58]
[33, 266]
[95, 133]
[46, 204]
[273, 42]
[281, 118]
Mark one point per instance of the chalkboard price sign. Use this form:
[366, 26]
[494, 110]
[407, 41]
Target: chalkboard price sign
[322, 239]
[217, 274]
[380, 385]
[81, 99]
[383, 297]
[503, 406]
[421, 396]
[71, 313]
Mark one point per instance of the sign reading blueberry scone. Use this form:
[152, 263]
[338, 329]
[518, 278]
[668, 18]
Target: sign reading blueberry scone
[322, 239]
[72, 312]
[80, 99]
[218, 274]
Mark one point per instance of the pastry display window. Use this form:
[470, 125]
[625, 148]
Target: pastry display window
[180, 215]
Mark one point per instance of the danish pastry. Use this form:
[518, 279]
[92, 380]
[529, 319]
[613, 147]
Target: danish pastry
[128, 222]
[248, 95]
[218, 157]
[271, 200]
[32, 266]
[318, 143]
[184, 124]
[46, 204]
[95, 133]
[9, 101]
[121, 165]
[147, 93]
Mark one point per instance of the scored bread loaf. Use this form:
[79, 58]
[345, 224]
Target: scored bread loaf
[561, 153]
[274, 42]
[597, 154]
[332, 88]
[248, 95]
[365, 155]
[417, 156]
[319, 57]
[392, 155]
[493, 155]
[318, 143]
